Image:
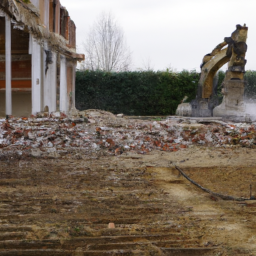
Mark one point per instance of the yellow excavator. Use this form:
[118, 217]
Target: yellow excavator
[231, 51]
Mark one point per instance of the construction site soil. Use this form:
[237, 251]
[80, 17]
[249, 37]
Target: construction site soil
[81, 202]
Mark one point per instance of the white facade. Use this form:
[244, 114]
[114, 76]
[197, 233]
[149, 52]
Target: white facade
[50, 85]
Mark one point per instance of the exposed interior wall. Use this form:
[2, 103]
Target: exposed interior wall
[21, 71]
[57, 17]
[21, 60]
[2, 35]
[64, 23]
[21, 74]
[47, 13]
[24, 60]
[72, 34]
[41, 9]
[52, 7]
[21, 103]
[67, 18]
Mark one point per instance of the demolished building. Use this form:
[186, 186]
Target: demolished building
[37, 57]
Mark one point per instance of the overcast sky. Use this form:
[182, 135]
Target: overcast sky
[169, 33]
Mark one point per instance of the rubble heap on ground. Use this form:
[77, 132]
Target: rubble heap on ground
[100, 131]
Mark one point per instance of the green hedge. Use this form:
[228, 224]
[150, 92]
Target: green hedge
[250, 84]
[250, 87]
[134, 93]
[142, 93]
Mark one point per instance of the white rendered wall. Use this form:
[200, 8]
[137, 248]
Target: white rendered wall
[74, 86]
[36, 70]
[53, 89]
[8, 67]
[50, 84]
[63, 85]
[47, 82]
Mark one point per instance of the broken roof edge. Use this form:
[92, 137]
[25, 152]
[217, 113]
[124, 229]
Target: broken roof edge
[30, 6]
[34, 26]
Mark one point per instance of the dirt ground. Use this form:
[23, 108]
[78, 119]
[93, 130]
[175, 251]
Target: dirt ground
[229, 225]
[206, 220]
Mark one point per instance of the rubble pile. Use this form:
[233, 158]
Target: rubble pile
[100, 131]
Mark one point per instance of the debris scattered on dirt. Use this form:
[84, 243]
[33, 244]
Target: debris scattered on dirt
[115, 176]
[95, 130]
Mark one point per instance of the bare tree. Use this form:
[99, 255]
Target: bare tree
[105, 47]
[147, 65]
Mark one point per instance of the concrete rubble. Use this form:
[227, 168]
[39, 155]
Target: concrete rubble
[101, 132]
